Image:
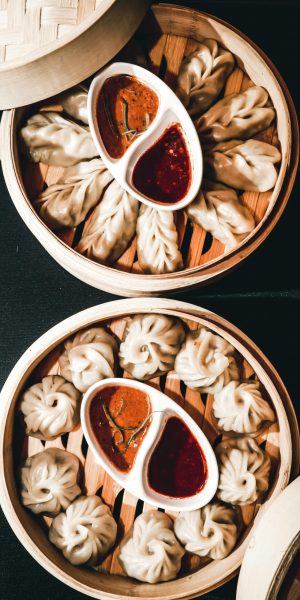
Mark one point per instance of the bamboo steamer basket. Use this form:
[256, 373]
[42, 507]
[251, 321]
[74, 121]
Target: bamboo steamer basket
[167, 33]
[281, 441]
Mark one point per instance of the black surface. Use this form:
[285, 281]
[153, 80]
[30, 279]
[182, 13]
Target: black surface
[261, 296]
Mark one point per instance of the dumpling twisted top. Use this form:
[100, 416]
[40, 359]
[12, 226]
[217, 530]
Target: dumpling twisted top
[157, 241]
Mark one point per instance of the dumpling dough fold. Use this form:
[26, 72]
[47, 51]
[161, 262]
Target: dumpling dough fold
[74, 102]
[157, 241]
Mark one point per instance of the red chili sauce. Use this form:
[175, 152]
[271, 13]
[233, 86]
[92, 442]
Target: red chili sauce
[120, 417]
[126, 107]
[177, 466]
[163, 173]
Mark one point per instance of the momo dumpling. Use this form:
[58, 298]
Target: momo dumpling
[221, 213]
[237, 116]
[239, 407]
[74, 102]
[245, 166]
[49, 481]
[150, 345]
[244, 470]
[111, 226]
[49, 138]
[209, 531]
[67, 202]
[202, 76]
[206, 361]
[151, 552]
[50, 407]
[89, 356]
[85, 532]
[157, 241]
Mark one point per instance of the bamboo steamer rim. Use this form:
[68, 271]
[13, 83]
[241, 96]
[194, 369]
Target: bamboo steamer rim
[187, 586]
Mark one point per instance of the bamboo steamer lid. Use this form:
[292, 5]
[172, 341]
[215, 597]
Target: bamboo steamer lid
[46, 46]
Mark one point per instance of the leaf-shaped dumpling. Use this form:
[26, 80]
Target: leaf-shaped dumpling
[237, 116]
[157, 241]
[111, 225]
[67, 202]
[245, 166]
[202, 76]
[74, 102]
[49, 138]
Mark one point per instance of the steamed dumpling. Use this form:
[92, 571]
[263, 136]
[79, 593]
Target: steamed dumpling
[209, 531]
[111, 226]
[85, 532]
[244, 470]
[239, 407]
[157, 241]
[206, 361]
[50, 407]
[88, 357]
[74, 102]
[237, 116]
[49, 481]
[49, 138]
[67, 202]
[150, 345]
[221, 213]
[245, 166]
[202, 76]
[150, 552]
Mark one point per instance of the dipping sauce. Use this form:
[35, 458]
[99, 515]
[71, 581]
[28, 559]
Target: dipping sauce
[126, 107]
[163, 173]
[177, 467]
[120, 417]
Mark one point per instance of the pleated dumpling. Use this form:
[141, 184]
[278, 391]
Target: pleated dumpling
[85, 532]
[244, 470]
[151, 552]
[209, 531]
[89, 356]
[245, 166]
[74, 102]
[240, 407]
[202, 76]
[111, 225]
[237, 116]
[50, 408]
[206, 361]
[49, 138]
[150, 345]
[49, 481]
[157, 241]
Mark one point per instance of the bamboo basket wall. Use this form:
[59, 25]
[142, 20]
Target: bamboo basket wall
[167, 34]
[280, 440]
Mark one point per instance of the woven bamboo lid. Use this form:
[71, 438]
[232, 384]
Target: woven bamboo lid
[47, 46]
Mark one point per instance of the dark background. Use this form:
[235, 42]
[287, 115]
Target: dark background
[262, 296]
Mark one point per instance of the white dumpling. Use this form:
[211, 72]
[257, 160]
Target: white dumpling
[111, 226]
[239, 407]
[74, 102]
[89, 356]
[49, 138]
[49, 481]
[222, 213]
[85, 532]
[150, 345]
[67, 202]
[151, 552]
[244, 470]
[209, 531]
[245, 166]
[202, 76]
[237, 116]
[157, 241]
[206, 361]
[50, 408]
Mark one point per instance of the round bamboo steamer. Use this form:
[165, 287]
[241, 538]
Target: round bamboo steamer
[168, 33]
[281, 441]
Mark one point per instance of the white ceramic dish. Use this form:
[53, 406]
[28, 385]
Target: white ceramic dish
[170, 110]
[135, 481]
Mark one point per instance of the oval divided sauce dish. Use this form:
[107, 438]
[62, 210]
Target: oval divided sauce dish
[149, 444]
